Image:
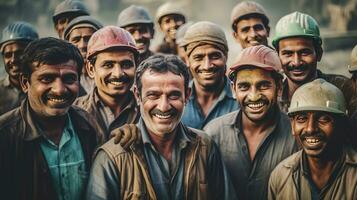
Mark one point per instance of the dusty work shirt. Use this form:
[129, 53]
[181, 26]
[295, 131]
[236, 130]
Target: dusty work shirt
[291, 179]
[341, 82]
[10, 96]
[193, 115]
[250, 177]
[103, 114]
[87, 83]
[66, 164]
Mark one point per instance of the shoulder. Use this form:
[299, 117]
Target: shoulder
[280, 175]
[10, 119]
[215, 126]
[113, 151]
[83, 101]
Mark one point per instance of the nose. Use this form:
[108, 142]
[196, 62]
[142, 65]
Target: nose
[164, 104]
[58, 87]
[252, 33]
[117, 71]
[296, 60]
[254, 95]
[173, 23]
[82, 44]
[207, 64]
[136, 35]
[311, 125]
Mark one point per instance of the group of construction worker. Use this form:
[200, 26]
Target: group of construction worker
[96, 114]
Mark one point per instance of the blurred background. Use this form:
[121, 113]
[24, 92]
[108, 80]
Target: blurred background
[337, 20]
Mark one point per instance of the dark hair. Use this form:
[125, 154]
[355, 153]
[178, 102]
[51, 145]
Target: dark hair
[51, 51]
[161, 64]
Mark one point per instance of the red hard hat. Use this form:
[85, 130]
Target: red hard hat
[259, 56]
[109, 37]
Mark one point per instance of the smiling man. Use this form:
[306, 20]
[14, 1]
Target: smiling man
[250, 24]
[254, 139]
[65, 12]
[137, 21]
[326, 166]
[170, 17]
[78, 32]
[112, 58]
[169, 161]
[298, 42]
[15, 38]
[46, 145]
[206, 48]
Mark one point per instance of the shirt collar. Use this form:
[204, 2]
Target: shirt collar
[182, 137]
[98, 102]
[226, 92]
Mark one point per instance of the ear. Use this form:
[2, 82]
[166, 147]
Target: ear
[90, 69]
[319, 52]
[137, 94]
[268, 30]
[152, 33]
[235, 36]
[24, 82]
[188, 94]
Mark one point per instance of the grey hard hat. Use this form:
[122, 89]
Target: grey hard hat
[181, 32]
[19, 30]
[169, 8]
[318, 95]
[134, 15]
[353, 66]
[69, 6]
[79, 22]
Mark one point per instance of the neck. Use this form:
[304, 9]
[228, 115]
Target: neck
[52, 127]
[208, 92]
[293, 85]
[164, 144]
[259, 127]
[117, 103]
[14, 82]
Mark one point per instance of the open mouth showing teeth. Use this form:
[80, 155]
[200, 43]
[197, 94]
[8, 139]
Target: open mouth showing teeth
[255, 106]
[312, 140]
[162, 116]
[57, 100]
[116, 82]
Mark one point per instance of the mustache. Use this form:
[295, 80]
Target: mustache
[142, 40]
[300, 67]
[123, 78]
[172, 111]
[317, 134]
[211, 69]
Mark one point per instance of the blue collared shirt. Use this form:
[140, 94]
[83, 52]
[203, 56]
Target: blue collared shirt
[66, 164]
[193, 116]
[167, 177]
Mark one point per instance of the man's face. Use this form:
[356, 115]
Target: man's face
[142, 34]
[251, 32]
[113, 73]
[314, 131]
[52, 88]
[62, 23]
[79, 37]
[299, 59]
[162, 101]
[256, 92]
[207, 65]
[11, 55]
[169, 25]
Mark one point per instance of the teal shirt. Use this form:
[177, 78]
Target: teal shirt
[66, 164]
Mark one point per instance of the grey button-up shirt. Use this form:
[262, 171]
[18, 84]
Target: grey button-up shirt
[10, 96]
[250, 177]
[193, 116]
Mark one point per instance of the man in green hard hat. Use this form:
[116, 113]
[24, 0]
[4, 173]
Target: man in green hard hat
[137, 21]
[15, 37]
[326, 167]
[299, 45]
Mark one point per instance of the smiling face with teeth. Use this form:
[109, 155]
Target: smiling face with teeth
[162, 100]
[314, 131]
[251, 31]
[142, 34]
[113, 72]
[208, 66]
[256, 91]
[299, 58]
[169, 25]
[52, 89]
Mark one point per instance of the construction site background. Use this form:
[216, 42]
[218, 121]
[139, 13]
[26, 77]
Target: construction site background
[337, 20]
